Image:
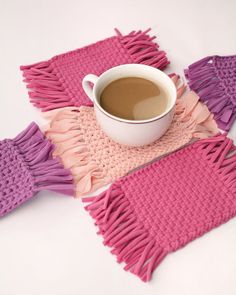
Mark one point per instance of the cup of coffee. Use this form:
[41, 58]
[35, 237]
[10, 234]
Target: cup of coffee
[134, 103]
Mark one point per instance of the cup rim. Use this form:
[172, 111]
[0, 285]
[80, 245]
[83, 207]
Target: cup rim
[169, 109]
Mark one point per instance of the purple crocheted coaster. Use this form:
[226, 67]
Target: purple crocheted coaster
[27, 167]
[56, 83]
[213, 78]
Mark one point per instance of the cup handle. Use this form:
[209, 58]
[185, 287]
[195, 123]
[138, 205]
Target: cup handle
[90, 78]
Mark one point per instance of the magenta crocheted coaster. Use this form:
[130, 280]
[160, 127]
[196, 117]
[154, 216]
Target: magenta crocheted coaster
[162, 207]
[57, 82]
[27, 167]
[213, 78]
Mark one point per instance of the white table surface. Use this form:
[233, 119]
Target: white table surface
[49, 245]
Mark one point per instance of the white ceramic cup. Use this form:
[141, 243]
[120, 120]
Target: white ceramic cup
[131, 132]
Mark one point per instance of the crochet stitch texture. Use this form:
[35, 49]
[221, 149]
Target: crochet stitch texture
[213, 78]
[56, 83]
[162, 207]
[27, 167]
[96, 160]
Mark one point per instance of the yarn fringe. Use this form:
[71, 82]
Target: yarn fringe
[48, 173]
[47, 91]
[64, 131]
[196, 116]
[129, 240]
[204, 81]
[219, 151]
[118, 224]
[143, 49]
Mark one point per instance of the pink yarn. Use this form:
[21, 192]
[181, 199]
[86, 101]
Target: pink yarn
[56, 83]
[95, 160]
[162, 207]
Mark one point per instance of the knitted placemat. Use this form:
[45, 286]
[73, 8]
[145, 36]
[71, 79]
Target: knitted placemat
[27, 167]
[56, 83]
[95, 160]
[160, 208]
[214, 80]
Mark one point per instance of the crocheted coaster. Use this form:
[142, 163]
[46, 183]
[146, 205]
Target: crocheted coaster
[95, 160]
[160, 208]
[214, 80]
[27, 167]
[56, 83]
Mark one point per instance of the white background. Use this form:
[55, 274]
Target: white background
[49, 245]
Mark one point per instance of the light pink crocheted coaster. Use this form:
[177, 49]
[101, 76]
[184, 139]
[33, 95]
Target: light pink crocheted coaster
[95, 160]
[162, 207]
[56, 83]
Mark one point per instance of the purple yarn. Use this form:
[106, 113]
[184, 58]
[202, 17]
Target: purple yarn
[27, 167]
[213, 78]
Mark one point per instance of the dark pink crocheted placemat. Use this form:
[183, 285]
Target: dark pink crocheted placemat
[163, 206]
[27, 167]
[56, 83]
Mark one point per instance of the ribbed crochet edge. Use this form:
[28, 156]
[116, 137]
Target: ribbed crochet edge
[129, 240]
[65, 132]
[143, 49]
[118, 223]
[204, 81]
[36, 152]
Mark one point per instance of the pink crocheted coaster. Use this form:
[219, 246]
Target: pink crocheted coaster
[213, 78]
[95, 160]
[56, 83]
[162, 207]
[27, 167]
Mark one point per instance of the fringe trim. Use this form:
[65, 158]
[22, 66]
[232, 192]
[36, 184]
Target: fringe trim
[47, 91]
[204, 81]
[191, 111]
[142, 49]
[196, 116]
[129, 240]
[64, 131]
[47, 173]
[119, 226]
[219, 151]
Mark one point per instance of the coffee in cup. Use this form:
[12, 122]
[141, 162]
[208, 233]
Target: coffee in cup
[133, 103]
[134, 98]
